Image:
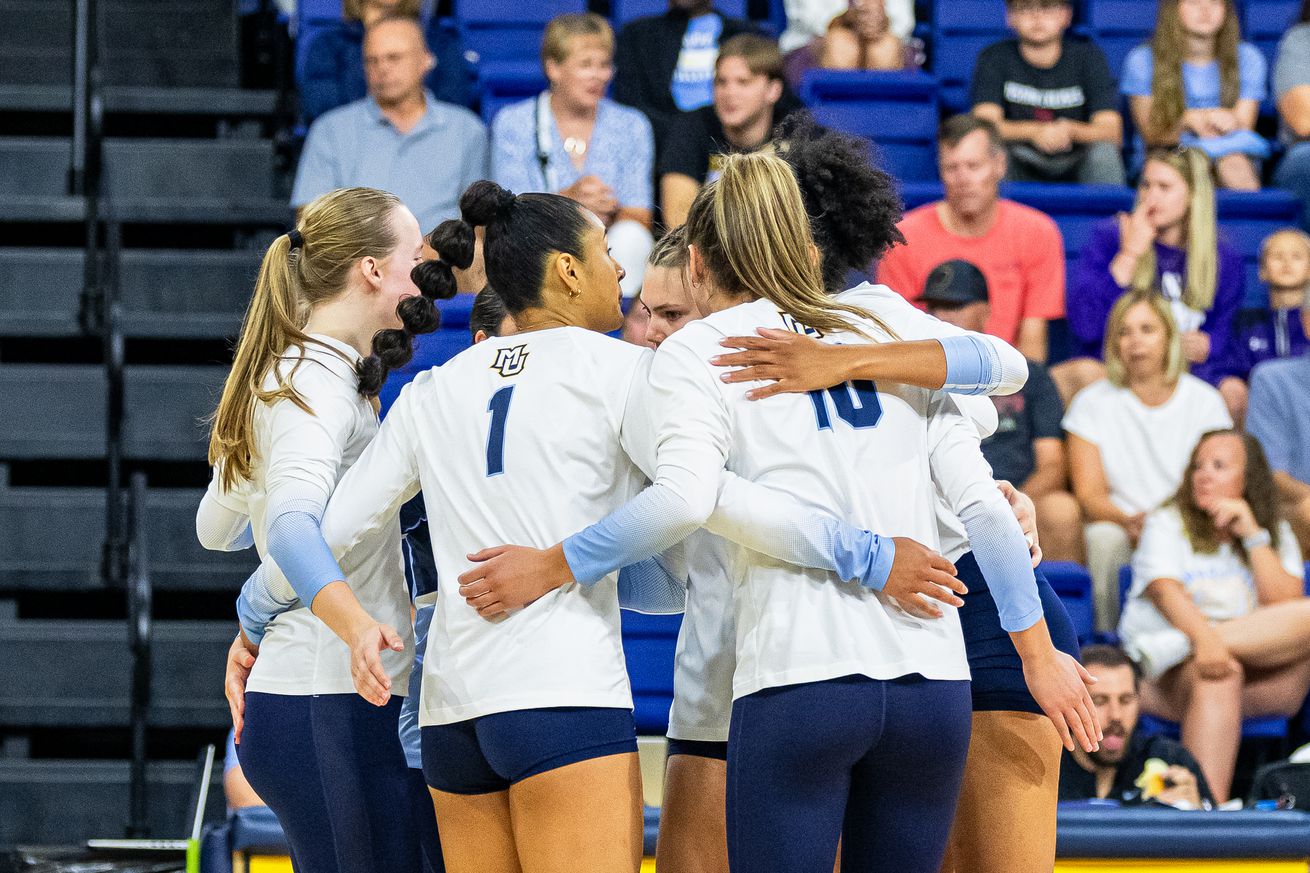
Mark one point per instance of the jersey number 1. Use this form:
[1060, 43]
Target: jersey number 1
[856, 403]
[499, 409]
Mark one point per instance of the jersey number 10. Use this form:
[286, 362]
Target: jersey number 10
[499, 409]
[856, 404]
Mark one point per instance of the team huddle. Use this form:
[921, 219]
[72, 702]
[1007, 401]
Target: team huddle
[869, 671]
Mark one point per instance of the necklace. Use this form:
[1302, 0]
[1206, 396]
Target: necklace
[575, 146]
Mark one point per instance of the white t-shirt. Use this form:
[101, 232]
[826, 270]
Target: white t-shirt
[1219, 583]
[1145, 449]
[301, 456]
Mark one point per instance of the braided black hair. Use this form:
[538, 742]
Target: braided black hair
[853, 205]
[394, 348]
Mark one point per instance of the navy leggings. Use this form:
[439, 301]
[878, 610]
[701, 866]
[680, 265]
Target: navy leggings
[875, 762]
[332, 769]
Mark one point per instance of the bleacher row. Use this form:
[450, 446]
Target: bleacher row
[194, 191]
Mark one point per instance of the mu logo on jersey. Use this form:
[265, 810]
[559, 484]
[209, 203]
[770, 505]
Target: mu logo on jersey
[509, 362]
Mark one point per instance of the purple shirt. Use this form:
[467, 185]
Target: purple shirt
[1093, 292]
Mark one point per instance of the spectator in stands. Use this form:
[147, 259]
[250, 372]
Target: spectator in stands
[1115, 771]
[1292, 90]
[1275, 332]
[333, 74]
[1053, 99]
[1018, 249]
[665, 63]
[1196, 84]
[1129, 437]
[570, 140]
[861, 38]
[748, 103]
[236, 790]
[1167, 245]
[1217, 616]
[1280, 418]
[1027, 448]
[400, 138]
[809, 20]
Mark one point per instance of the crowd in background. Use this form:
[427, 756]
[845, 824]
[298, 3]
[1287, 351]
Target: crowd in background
[1133, 447]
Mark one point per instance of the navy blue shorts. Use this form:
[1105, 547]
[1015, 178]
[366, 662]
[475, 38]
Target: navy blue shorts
[698, 749]
[997, 670]
[492, 752]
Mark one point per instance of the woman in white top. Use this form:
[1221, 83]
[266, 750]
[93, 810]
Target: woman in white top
[1217, 617]
[297, 410]
[1129, 437]
[832, 681]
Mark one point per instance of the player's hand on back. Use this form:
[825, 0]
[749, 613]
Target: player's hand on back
[920, 576]
[791, 362]
[506, 578]
[240, 659]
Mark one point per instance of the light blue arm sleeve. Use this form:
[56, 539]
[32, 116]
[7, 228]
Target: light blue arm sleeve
[1001, 551]
[410, 734]
[296, 544]
[258, 604]
[972, 365]
[652, 587]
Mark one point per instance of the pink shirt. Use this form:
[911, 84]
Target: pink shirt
[1022, 257]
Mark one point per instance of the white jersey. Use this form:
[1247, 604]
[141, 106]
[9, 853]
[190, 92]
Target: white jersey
[515, 440]
[705, 659]
[857, 452]
[301, 456]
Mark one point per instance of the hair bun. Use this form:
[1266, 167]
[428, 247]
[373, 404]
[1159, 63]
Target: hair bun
[485, 202]
[435, 279]
[455, 243]
[418, 315]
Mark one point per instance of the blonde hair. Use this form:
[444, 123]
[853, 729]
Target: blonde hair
[1174, 363]
[1202, 239]
[337, 230]
[1168, 50]
[562, 29]
[353, 10]
[751, 229]
[670, 252]
[1295, 233]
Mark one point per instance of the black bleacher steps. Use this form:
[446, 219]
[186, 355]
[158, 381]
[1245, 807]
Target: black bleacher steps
[215, 102]
[57, 411]
[70, 673]
[164, 293]
[234, 169]
[50, 540]
[64, 802]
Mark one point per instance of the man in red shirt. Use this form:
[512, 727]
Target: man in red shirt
[1018, 249]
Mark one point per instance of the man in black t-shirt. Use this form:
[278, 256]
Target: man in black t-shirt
[1052, 98]
[749, 99]
[1027, 448]
[1120, 769]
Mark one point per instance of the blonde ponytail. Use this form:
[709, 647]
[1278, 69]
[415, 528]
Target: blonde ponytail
[335, 231]
[751, 228]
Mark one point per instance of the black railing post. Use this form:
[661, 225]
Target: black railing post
[140, 601]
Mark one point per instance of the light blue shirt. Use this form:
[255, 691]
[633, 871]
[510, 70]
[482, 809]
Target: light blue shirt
[693, 77]
[1202, 87]
[1280, 396]
[427, 168]
[621, 152]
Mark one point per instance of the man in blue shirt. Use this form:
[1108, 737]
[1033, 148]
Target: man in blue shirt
[1280, 396]
[399, 138]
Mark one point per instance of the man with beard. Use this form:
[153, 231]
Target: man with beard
[1120, 769]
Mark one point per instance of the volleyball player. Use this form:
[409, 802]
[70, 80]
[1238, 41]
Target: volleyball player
[297, 409]
[806, 645]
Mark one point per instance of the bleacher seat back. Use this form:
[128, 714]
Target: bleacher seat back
[623, 11]
[1265, 21]
[649, 645]
[1073, 584]
[960, 30]
[508, 30]
[897, 112]
[507, 82]
[1118, 26]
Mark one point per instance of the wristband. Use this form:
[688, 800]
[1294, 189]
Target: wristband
[1260, 538]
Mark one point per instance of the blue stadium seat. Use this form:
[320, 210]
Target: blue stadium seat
[508, 30]
[433, 349]
[960, 30]
[312, 18]
[897, 112]
[649, 642]
[509, 82]
[1118, 26]
[1265, 21]
[623, 11]
[1073, 584]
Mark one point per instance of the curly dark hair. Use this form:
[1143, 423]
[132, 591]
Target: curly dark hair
[853, 205]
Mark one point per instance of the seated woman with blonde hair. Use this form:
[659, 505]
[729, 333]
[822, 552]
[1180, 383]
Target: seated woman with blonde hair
[1217, 616]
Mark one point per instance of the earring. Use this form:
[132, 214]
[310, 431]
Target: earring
[574, 293]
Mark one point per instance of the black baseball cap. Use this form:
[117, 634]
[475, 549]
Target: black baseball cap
[955, 283]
